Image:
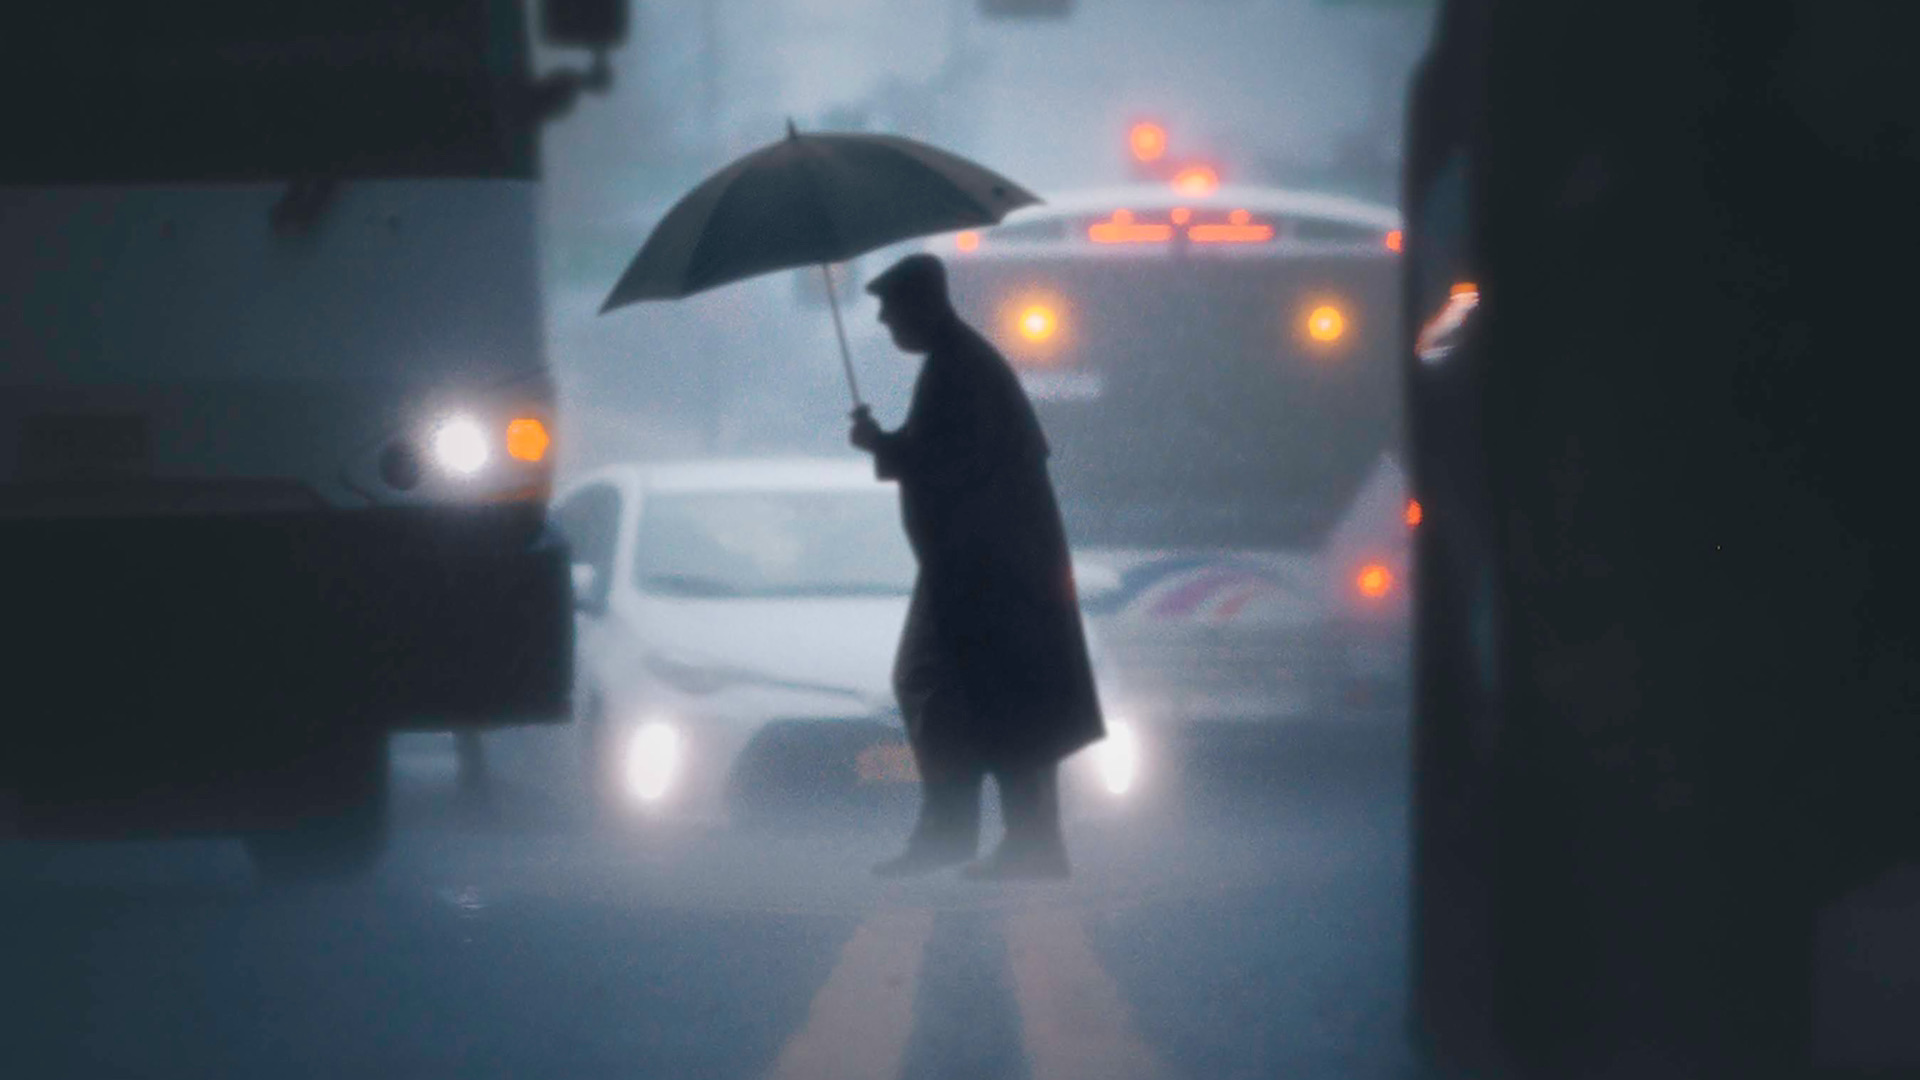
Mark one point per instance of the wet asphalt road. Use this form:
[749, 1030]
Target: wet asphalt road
[1261, 938]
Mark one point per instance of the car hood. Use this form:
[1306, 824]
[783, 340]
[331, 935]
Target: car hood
[804, 645]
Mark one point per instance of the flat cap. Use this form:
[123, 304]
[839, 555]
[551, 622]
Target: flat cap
[918, 278]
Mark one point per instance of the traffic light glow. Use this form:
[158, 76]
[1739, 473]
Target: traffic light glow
[1147, 141]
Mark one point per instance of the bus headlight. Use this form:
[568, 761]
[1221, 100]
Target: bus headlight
[460, 445]
[1038, 326]
[1038, 322]
[653, 760]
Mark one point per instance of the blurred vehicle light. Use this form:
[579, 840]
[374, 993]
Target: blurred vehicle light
[967, 241]
[653, 760]
[1396, 241]
[527, 439]
[1374, 581]
[1148, 141]
[1239, 229]
[1117, 757]
[1038, 323]
[1415, 513]
[1196, 180]
[1122, 229]
[1326, 324]
[460, 446]
[1036, 326]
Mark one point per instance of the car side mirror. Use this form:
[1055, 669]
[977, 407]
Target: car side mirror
[589, 592]
[584, 24]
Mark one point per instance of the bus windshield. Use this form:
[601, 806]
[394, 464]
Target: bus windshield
[134, 91]
[1212, 402]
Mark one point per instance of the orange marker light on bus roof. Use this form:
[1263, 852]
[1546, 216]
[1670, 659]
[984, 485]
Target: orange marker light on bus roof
[1415, 513]
[1230, 234]
[967, 241]
[1122, 229]
[527, 439]
[1396, 241]
[1373, 581]
[1147, 141]
[1196, 180]
[1238, 230]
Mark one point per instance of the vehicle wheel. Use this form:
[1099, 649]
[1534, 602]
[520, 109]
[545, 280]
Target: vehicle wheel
[335, 793]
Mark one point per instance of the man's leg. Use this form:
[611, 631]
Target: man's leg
[1035, 844]
[950, 788]
[948, 830]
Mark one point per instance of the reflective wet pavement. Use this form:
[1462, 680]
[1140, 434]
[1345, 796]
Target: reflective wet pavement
[1265, 943]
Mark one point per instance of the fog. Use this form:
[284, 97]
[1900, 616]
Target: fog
[671, 876]
[1291, 92]
[414, 671]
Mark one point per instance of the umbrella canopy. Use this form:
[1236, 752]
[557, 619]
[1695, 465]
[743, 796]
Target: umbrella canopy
[811, 199]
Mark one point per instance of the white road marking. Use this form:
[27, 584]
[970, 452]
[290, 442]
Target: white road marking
[859, 1023]
[1077, 1027]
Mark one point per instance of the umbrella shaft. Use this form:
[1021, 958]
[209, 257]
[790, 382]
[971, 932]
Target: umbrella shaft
[840, 332]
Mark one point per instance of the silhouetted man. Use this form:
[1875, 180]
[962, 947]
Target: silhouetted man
[992, 674]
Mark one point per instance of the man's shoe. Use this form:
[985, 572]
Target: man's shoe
[920, 860]
[1036, 864]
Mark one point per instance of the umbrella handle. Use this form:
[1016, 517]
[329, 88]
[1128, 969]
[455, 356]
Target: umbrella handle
[840, 331]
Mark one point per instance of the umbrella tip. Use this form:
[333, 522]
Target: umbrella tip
[792, 132]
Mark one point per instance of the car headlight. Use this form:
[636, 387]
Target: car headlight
[460, 445]
[654, 755]
[1117, 757]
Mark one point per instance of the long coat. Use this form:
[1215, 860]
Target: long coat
[996, 580]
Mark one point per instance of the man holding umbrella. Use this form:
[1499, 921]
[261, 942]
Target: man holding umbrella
[993, 674]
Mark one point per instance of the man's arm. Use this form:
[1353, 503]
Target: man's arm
[886, 447]
[948, 441]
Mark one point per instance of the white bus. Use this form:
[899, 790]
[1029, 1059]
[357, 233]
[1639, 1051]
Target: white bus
[1217, 372]
[275, 413]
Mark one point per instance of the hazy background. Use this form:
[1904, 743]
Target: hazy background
[1299, 92]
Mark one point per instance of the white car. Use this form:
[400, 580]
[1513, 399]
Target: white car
[737, 628]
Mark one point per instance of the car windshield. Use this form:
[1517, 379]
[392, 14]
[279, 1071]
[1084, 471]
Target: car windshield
[773, 544]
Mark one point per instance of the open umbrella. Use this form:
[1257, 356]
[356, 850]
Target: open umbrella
[807, 200]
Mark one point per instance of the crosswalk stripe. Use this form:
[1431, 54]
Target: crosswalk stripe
[858, 1024]
[1077, 1027]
